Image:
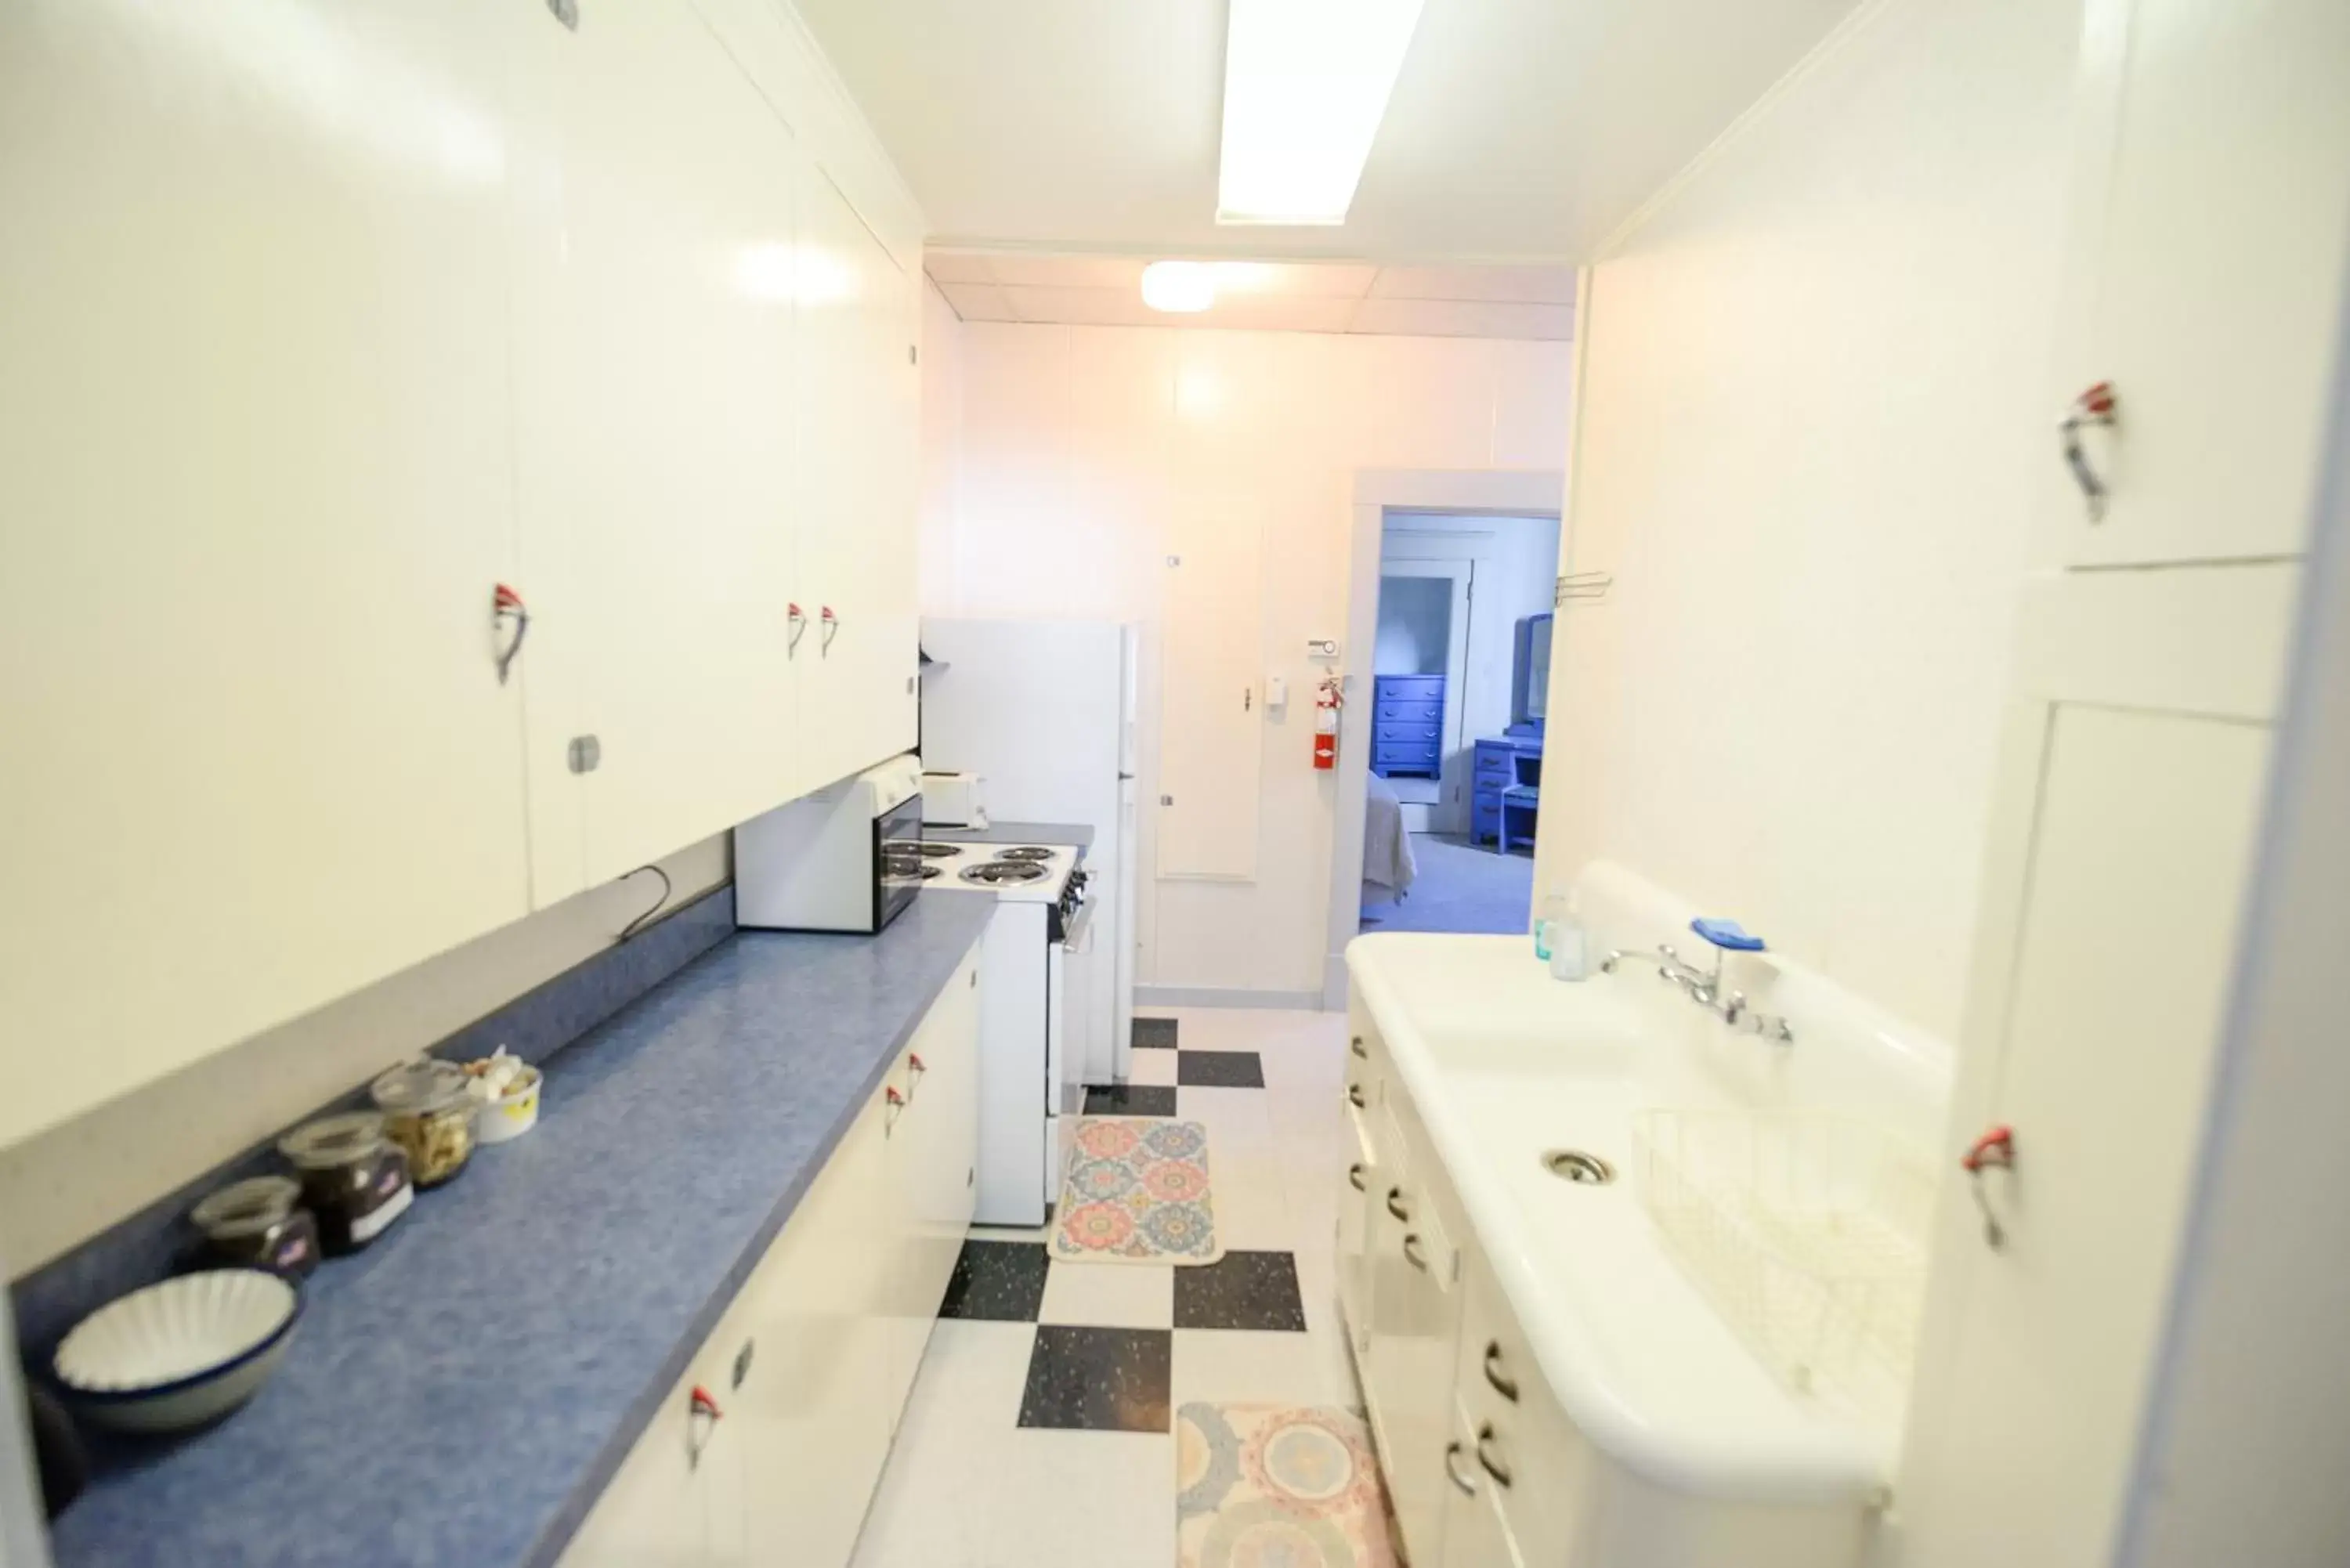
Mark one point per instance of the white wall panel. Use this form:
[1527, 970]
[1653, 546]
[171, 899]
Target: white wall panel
[1809, 415]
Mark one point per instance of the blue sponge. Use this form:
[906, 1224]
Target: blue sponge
[1727, 934]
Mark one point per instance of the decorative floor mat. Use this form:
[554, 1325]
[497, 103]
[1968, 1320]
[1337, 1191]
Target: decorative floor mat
[1294, 1485]
[1136, 1191]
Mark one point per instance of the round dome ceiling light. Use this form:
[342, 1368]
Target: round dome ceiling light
[1181, 286]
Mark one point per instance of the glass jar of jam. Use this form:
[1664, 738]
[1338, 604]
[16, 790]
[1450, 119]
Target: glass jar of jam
[355, 1178]
[260, 1224]
[428, 1110]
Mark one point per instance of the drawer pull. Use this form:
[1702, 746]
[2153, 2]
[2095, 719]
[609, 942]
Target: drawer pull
[1416, 1256]
[1355, 1179]
[1502, 1383]
[1356, 1045]
[1467, 1484]
[1396, 1206]
[1493, 1467]
[1354, 1096]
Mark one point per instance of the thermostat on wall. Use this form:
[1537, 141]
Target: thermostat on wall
[1321, 648]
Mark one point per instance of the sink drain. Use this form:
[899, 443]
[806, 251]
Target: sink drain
[1573, 1165]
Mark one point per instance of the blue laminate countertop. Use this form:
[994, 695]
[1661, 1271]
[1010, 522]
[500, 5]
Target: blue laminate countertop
[462, 1391]
[1074, 834]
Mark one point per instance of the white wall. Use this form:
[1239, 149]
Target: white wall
[1414, 626]
[1084, 449]
[1811, 395]
[942, 351]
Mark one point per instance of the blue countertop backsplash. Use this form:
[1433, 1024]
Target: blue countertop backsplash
[462, 1390]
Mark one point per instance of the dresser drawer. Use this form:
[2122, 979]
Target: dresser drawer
[1430, 712]
[1420, 731]
[1422, 688]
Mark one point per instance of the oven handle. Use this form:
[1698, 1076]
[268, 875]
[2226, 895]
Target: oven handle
[1075, 932]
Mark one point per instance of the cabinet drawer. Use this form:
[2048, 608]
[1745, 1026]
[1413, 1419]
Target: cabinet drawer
[1520, 1447]
[1425, 731]
[1410, 686]
[1484, 820]
[1499, 765]
[1426, 712]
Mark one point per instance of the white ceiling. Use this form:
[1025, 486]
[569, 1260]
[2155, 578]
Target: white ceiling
[1520, 129]
[1276, 296]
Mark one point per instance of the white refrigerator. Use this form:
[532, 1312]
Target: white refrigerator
[1043, 712]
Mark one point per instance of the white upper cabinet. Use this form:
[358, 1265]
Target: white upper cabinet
[653, 282]
[859, 431]
[2211, 227]
[256, 486]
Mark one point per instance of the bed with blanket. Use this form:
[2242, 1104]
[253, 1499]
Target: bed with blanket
[1389, 869]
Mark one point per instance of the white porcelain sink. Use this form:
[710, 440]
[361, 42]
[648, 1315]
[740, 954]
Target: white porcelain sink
[1503, 1064]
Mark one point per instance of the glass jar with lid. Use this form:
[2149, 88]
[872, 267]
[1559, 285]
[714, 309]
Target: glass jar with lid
[428, 1110]
[260, 1224]
[355, 1178]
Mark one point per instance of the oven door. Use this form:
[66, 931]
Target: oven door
[892, 896]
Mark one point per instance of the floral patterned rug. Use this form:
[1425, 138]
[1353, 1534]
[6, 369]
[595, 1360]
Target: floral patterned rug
[1292, 1485]
[1136, 1191]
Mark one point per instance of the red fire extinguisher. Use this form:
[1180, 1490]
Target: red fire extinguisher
[1326, 699]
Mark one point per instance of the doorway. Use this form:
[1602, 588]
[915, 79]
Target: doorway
[1457, 720]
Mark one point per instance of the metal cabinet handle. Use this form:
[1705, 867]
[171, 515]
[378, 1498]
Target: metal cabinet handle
[831, 629]
[1355, 1179]
[1414, 1254]
[2095, 406]
[1502, 1383]
[1493, 1467]
[1356, 1045]
[702, 1417]
[1354, 1096]
[1467, 1484]
[1396, 1205]
[795, 618]
[505, 605]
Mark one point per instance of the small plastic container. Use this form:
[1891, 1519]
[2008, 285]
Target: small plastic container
[260, 1224]
[428, 1111]
[507, 1115]
[355, 1178]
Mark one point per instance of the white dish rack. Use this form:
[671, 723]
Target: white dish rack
[1806, 1230]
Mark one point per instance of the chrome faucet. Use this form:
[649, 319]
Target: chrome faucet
[1704, 988]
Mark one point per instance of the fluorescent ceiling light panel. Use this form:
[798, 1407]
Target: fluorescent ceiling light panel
[1305, 84]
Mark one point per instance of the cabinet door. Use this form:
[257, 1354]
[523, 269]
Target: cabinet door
[933, 1153]
[2130, 792]
[1476, 1535]
[2206, 267]
[1357, 1181]
[255, 483]
[856, 661]
[1213, 758]
[1408, 1378]
[677, 1500]
[653, 300]
[819, 1431]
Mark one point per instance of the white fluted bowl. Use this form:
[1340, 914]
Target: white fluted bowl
[181, 1353]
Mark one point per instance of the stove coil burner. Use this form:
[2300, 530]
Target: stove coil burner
[907, 868]
[927, 850]
[1003, 873]
[1025, 852]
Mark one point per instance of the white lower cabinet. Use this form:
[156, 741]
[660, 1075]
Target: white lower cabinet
[1483, 1464]
[810, 1365]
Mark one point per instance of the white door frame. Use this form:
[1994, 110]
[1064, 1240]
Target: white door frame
[1449, 814]
[1514, 492]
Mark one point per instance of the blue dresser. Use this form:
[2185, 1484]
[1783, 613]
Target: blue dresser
[1505, 789]
[1407, 725]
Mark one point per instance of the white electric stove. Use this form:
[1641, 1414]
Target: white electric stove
[1035, 967]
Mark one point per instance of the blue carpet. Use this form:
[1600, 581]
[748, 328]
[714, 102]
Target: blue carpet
[1461, 888]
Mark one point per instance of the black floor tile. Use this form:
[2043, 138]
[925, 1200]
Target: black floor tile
[1003, 1281]
[1220, 1070]
[1099, 1379]
[1154, 1033]
[1240, 1289]
[1130, 1100]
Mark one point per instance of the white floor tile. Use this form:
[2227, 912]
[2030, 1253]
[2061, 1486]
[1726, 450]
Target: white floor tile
[1152, 1067]
[1110, 1295]
[1232, 1366]
[1252, 1203]
[1080, 1499]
